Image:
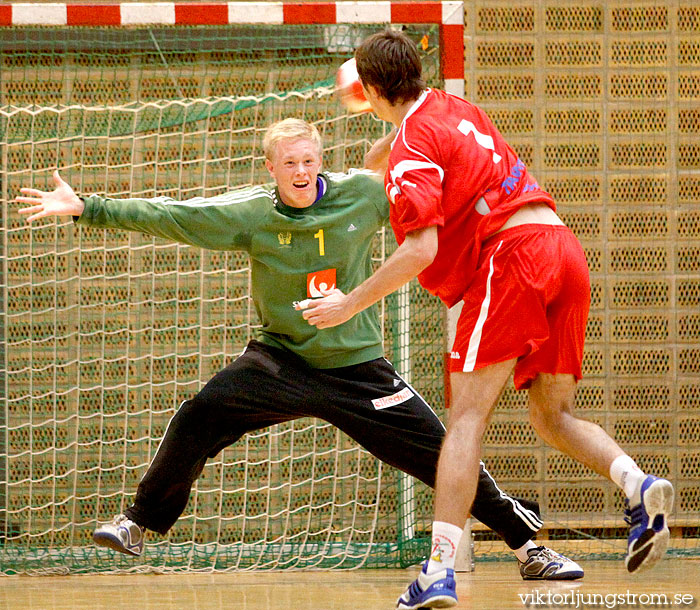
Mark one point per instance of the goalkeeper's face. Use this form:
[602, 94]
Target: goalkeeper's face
[295, 164]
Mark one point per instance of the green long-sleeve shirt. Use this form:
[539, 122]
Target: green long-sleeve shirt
[293, 253]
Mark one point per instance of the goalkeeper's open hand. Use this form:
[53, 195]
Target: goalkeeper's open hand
[62, 201]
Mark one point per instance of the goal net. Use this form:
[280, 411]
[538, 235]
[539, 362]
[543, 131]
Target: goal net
[105, 333]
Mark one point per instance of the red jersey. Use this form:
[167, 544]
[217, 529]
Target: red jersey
[450, 167]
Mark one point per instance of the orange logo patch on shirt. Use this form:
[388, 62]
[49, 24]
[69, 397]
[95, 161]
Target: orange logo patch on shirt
[320, 283]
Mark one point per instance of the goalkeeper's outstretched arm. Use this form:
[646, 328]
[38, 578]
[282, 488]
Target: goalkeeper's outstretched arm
[62, 201]
[214, 223]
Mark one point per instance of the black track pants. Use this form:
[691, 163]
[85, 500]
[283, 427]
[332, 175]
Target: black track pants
[266, 386]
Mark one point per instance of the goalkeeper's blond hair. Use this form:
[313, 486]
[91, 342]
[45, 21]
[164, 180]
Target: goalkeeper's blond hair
[289, 129]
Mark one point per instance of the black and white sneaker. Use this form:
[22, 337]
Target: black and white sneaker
[546, 564]
[122, 535]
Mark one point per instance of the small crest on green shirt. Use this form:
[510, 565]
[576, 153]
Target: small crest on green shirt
[285, 238]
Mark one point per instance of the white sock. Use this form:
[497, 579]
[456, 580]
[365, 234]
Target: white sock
[444, 548]
[627, 476]
[521, 553]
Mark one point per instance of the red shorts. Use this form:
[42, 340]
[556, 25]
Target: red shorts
[529, 300]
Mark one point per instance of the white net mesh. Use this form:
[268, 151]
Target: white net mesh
[106, 332]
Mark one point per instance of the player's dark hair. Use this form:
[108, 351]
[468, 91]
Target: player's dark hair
[389, 61]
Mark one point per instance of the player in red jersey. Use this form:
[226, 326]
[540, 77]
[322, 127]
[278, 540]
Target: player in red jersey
[474, 226]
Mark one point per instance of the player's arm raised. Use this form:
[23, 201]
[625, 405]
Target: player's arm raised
[377, 157]
[62, 201]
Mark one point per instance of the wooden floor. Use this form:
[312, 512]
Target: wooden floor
[491, 586]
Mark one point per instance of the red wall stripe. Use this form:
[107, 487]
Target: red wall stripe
[201, 14]
[5, 15]
[309, 12]
[91, 14]
[452, 51]
[416, 12]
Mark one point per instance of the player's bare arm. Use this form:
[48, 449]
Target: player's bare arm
[377, 157]
[62, 201]
[410, 258]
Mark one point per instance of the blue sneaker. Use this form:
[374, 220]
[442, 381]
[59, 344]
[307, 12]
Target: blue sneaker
[648, 537]
[438, 590]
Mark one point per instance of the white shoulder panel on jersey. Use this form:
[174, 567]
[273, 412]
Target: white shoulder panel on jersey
[409, 165]
[340, 176]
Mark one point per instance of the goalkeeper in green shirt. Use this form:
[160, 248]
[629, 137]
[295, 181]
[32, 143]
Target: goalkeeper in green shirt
[308, 234]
